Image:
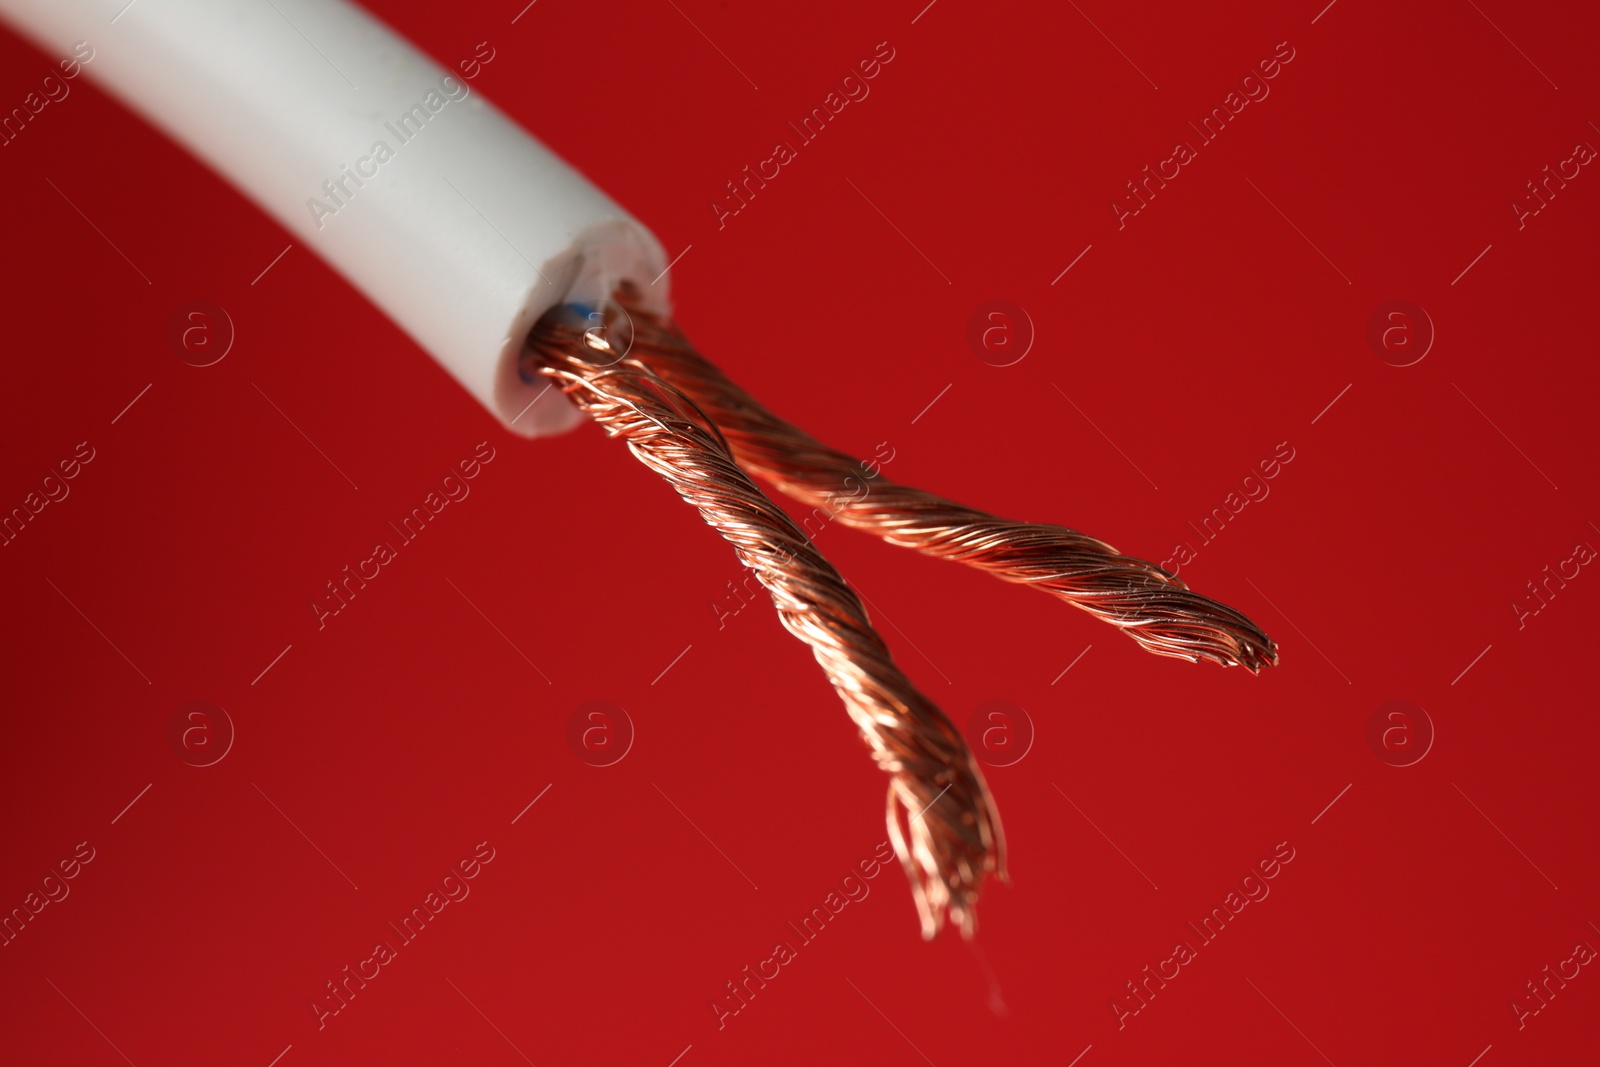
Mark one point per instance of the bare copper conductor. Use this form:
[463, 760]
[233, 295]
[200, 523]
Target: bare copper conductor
[642, 381]
[941, 818]
[1143, 600]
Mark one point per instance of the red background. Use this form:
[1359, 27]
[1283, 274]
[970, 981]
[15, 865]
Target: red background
[1196, 339]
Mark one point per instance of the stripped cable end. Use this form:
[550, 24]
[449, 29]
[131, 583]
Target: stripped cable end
[637, 376]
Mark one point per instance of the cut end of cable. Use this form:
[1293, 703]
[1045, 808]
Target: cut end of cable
[1183, 624]
[641, 379]
[946, 871]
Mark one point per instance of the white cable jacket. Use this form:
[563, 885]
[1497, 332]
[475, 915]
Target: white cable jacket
[463, 228]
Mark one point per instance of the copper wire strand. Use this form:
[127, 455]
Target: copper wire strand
[1143, 600]
[941, 818]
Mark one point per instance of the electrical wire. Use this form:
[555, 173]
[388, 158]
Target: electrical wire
[420, 253]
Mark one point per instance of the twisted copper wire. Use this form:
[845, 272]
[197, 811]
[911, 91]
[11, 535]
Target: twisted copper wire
[1145, 601]
[941, 817]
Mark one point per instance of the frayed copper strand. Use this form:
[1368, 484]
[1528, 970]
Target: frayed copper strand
[941, 817]
[1143, 600]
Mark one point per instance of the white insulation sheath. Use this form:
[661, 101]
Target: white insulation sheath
[440, 209]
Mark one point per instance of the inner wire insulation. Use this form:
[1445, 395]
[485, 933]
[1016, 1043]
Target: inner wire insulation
[1145, 601]
[941, 818]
